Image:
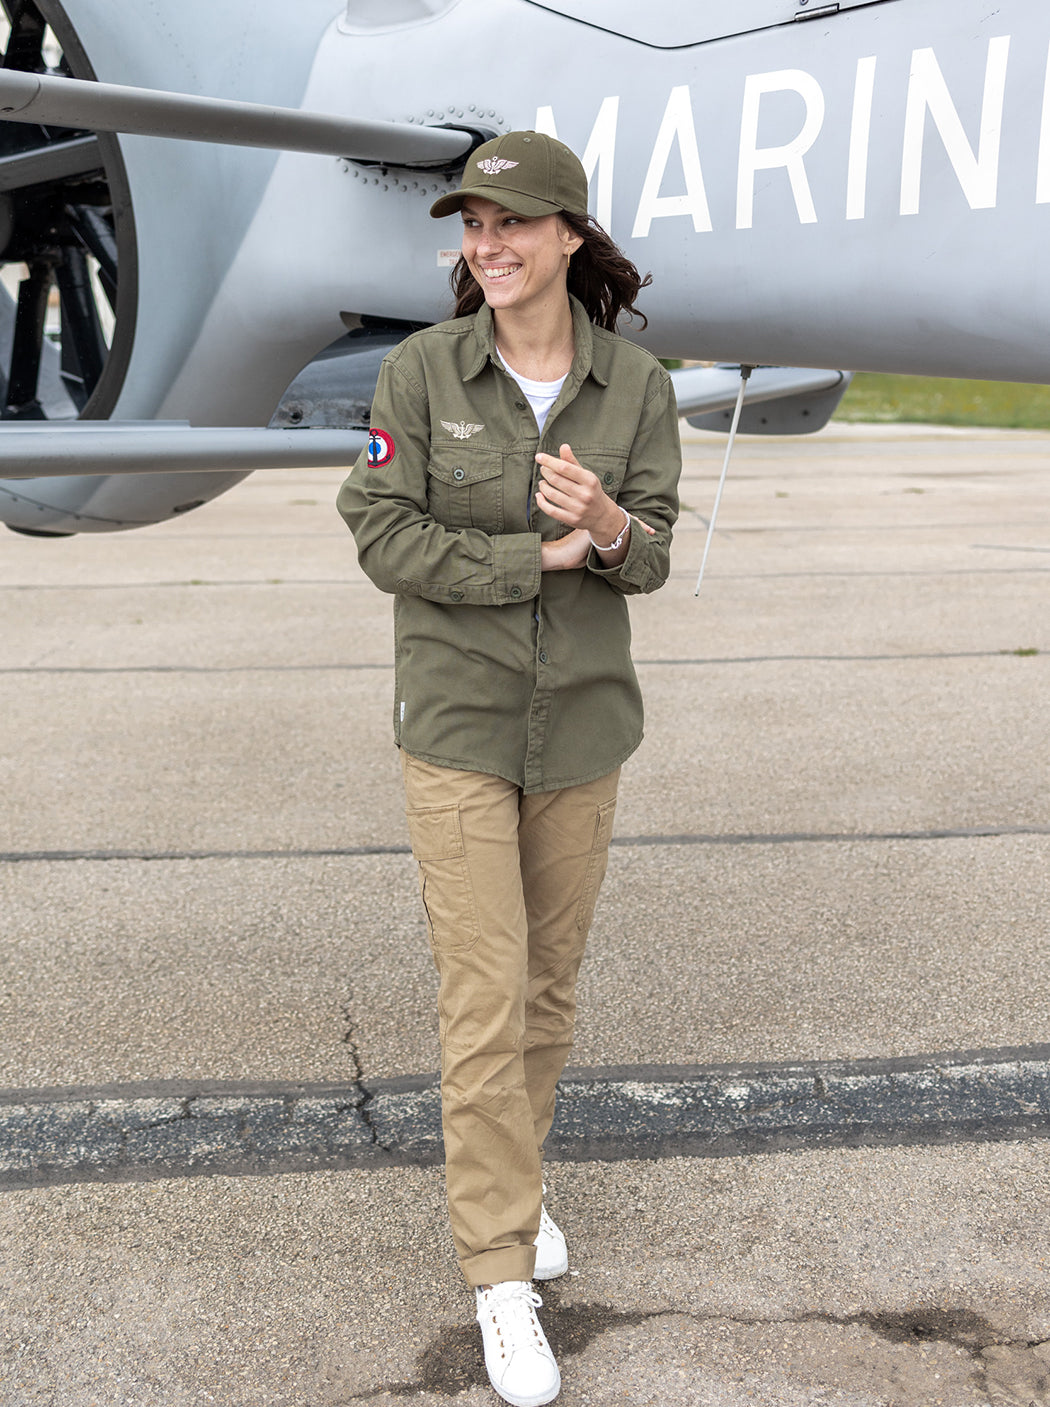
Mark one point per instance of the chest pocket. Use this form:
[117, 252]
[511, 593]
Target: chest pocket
[465, 486]
[610, 465]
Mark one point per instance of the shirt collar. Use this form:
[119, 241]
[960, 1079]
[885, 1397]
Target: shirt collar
[583, 335]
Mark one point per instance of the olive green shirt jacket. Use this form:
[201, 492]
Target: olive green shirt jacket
[500, 668]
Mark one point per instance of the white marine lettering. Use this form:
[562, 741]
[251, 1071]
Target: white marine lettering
[929, 103]
[599, 155]
[545, 122]
[754, 158]
[859, 138]
[1042, 174]
[978, 174]
[677, 127]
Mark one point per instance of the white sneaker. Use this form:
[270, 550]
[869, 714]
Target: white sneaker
[520, 1364]
[552, 1256]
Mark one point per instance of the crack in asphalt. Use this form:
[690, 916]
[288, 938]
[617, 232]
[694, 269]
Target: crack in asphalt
[619, 842]
[357, 666]
[119, 1126]
[367, 1095]
[454, 1362]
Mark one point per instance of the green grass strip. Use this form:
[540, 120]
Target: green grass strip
[874, 397]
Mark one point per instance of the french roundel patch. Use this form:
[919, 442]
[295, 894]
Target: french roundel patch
[381, 448]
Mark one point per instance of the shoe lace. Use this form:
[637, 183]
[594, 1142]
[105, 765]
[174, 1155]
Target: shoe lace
[511, 1305]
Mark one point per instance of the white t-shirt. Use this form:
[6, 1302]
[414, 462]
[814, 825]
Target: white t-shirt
[541, 395]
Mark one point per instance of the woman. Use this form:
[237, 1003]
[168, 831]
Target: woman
[519, 484]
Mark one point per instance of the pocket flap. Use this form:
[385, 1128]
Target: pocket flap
[610, 466]
[435, 833]
[463, 472]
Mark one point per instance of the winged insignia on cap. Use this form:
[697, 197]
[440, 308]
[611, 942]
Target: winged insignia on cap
[493, 165]
[461, 428]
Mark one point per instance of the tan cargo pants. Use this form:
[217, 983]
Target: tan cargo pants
[509, 884]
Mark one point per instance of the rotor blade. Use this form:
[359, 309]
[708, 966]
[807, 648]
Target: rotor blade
[109, 107]
[155, 447]
[50, 163]
[80, 321]
[96, 234]
[27, 342]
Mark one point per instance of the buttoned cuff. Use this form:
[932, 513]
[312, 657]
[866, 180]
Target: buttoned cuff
[634, 572]
[516, 563]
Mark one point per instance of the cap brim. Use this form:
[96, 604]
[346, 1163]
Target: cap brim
[517, 201]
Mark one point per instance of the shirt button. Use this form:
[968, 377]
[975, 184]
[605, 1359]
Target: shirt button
[543, 657]
[456, 595]
[607, 478]
[458, 474]
[519, 405]
[515, 592]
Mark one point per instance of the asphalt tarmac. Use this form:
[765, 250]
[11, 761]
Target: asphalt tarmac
[801, 1157]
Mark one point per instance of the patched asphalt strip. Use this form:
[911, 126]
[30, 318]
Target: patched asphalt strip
[178, 1129]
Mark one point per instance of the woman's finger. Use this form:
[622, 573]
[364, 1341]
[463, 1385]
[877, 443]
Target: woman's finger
[555, 510]
[551, 486]
[569, 468]
[584, 490]
[559, 495]
[568, 497]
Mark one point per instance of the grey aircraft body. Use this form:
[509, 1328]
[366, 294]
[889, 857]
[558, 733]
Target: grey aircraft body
[863, 184]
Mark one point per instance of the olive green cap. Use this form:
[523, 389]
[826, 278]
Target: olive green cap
[527, 172]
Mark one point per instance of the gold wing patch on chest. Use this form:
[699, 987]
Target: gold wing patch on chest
[462, 429]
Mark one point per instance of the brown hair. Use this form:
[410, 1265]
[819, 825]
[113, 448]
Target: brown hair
[600, 275]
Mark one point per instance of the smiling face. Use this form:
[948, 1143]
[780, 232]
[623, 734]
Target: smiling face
[520, 262]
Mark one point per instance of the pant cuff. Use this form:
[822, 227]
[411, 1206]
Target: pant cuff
[510, 1263]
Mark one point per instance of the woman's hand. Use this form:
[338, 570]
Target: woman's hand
[565, 553]
[571, 494]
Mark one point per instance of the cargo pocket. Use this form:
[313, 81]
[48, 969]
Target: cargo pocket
[444, 878]
[596, 864]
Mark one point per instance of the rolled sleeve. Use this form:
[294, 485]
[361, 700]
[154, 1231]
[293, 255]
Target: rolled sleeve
[650, 493]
